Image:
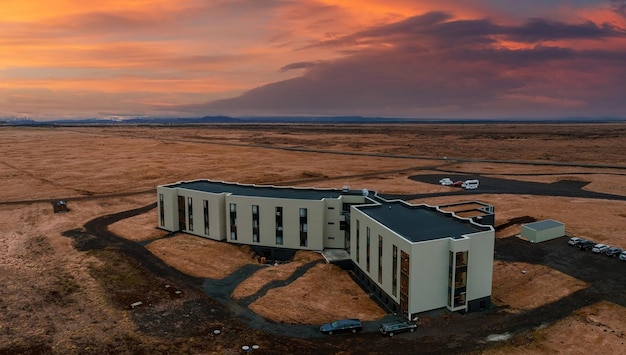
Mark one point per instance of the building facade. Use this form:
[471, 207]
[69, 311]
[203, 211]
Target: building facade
[414, 258]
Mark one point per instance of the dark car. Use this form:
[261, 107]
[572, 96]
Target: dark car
[613, 251]
[342, 326]
[457, 184]
[585, 245]
[396, 327]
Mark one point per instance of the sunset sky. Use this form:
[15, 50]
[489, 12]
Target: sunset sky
[394, 58]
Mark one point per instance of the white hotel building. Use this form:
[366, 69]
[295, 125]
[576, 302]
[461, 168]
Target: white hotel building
[414, 258]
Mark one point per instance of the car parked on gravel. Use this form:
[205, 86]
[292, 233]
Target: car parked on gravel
[599, 248]
[622, 256]
[573, 241]
[585, 244]
[395, 327]
[342, 326]
[613, 251]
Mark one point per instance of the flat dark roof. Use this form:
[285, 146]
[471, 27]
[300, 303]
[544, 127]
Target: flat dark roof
[261, 191]
[419, 223]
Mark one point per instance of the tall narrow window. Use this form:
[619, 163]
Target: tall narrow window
[460, 278]
[367, 249]
[255, 223]
[279, 225]
[405, 268]
[394, 272]
[380, 259]
[303, 227]
[233, 221]
[182, 219]
[358, 240]
[161, 211]
[190, 212]
[206, 216]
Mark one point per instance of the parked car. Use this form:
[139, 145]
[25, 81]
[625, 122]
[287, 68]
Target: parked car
[613, 251]
[342, 326]
[622, 256]
[573, 241]
[470, 184]
[446, 182]
[599, 248]
[585, 244]
[395, 327]
[457, 184]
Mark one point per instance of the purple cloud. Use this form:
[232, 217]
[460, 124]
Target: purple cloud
[435, 65]
[298, 65]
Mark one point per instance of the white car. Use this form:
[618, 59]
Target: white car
[599, 248]
[446, 182]
[470, 184]
[622, 256]
[573, 241]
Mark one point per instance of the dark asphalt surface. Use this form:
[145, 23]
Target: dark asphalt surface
[489, 185]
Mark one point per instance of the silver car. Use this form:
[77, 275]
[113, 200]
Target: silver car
[599, 248]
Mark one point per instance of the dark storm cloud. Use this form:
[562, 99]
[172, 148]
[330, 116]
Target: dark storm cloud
[410, 26]
[536, 30]
[298, 65]
[432, 63]
[619, 7]
[440, 26]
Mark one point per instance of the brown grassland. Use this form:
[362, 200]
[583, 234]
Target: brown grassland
[60, 298]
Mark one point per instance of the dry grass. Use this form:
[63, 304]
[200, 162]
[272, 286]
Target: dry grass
[139, 228]
[262, 277]
[523, 286]
[324, 293]
[201, 257]
[50, 300]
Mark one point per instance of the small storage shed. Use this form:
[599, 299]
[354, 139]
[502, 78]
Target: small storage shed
[541, 231]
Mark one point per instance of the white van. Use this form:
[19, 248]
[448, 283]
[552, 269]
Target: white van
[470, 184]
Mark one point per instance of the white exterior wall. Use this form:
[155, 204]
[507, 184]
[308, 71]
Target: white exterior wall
[429, 275]
[528, 234]
[334, 238]
[480, 265]
[429, 263]
[267, 220]
[390, 239]
[217, 225]
[538, 236]
[170, 207]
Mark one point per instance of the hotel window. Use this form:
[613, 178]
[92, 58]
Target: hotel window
[279, 225]
[255, 223]
[380, 259]
[304, 229]
[161, 211]
[190, 212]
[358, 240]
[233, 221]
[367, 249]
[394, 272]
[206, 216]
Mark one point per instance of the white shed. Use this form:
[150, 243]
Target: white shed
[541, 231]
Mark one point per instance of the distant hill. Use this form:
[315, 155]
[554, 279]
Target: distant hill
[287, 119]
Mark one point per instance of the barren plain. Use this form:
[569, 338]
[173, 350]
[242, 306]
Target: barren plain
[69, 279]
